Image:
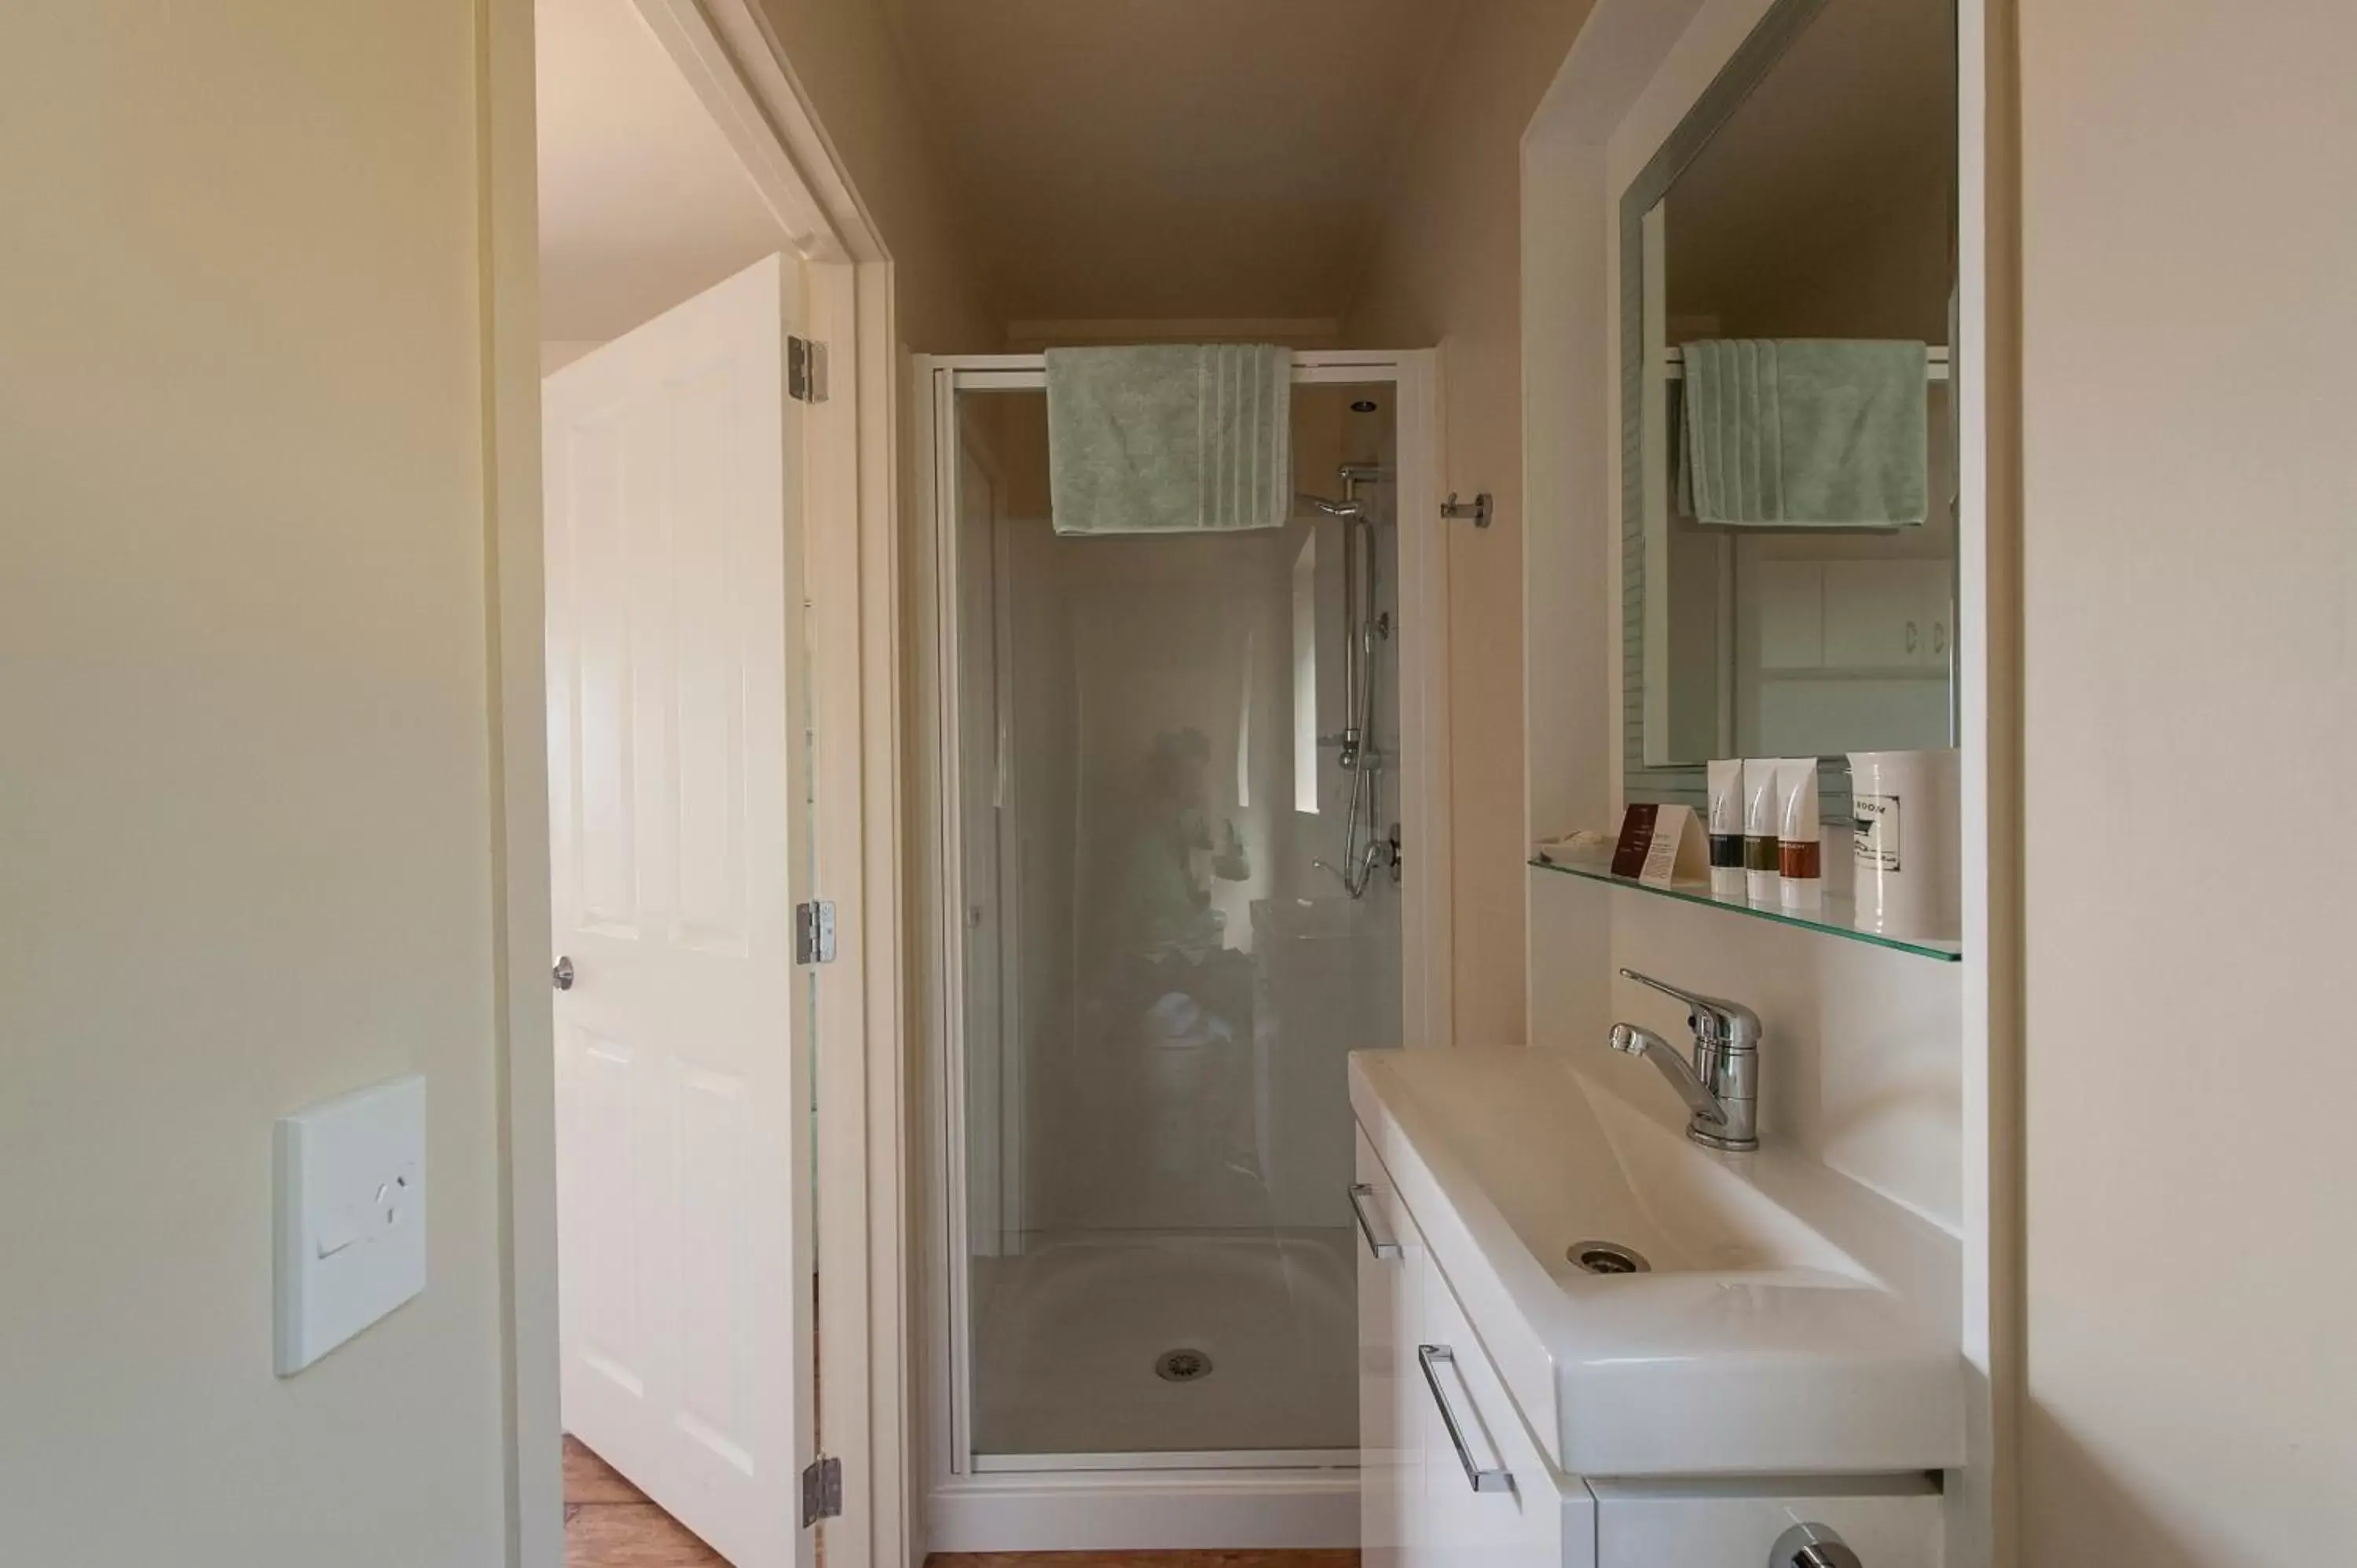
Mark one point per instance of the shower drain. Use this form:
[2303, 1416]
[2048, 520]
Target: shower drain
[1608, 1258]
[1182, 1365]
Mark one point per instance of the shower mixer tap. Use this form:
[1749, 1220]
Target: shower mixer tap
[1355, 880]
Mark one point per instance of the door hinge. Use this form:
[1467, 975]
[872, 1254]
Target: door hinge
[805, 369]
[822, 1490]
[815, 932]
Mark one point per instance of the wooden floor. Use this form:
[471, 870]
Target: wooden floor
[1143, 1559]
[608, 1523]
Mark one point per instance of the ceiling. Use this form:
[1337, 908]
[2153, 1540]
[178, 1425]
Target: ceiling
[1171, 159]
[642, 203]
[1852, 127]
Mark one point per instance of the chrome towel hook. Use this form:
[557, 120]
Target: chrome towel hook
[1458, 511]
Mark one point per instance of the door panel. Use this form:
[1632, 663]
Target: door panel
[981, 762]
[1790, 599]
[1522, 1526]
[1887, 614]
[1389, 1379]
[678, 813]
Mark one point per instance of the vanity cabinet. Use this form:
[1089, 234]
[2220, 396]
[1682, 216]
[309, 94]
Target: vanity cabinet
[1451, 1476]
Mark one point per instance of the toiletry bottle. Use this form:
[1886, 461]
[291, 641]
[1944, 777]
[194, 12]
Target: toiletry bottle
[1799, 857]
[1725, 828]
[1907, 842]
[1762, 820]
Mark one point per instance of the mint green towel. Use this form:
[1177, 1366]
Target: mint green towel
[1170, 439]
[1805, 433]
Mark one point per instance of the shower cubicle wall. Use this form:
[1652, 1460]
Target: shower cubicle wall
[1154, 979]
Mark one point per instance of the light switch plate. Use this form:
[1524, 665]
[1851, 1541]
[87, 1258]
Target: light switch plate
[351, 1216]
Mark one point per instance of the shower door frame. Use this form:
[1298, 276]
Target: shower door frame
[1203, 1501]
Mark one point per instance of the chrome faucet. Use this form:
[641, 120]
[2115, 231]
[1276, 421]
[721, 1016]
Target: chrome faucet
[1722, 1086]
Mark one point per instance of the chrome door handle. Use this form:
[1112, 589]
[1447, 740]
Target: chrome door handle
[1482, 1480]
[1359, 1193]
[561, 976]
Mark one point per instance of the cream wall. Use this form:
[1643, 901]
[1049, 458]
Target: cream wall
[844, 59]
[1445, 269]
[2189, 301]
[249, 804]
[245, 691]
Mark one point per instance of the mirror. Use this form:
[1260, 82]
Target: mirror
[1810, 195]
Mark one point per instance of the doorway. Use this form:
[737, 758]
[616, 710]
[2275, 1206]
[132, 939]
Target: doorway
[708, 316]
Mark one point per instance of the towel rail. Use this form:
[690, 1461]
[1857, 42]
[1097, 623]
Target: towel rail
[1935, 366]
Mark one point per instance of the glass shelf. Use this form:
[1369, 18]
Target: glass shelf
[1832, 918]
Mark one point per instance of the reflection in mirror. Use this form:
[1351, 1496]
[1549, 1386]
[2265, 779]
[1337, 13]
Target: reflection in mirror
[1788, 272]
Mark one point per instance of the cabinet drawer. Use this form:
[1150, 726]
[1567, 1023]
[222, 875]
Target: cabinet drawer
[1722, 1524]
[1472, 1437]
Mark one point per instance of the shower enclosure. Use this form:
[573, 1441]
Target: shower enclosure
[1175, 777]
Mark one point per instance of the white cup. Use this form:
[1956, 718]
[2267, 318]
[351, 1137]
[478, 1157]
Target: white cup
[1905, 843]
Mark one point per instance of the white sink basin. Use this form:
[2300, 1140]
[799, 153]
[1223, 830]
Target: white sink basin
[1793, 1321]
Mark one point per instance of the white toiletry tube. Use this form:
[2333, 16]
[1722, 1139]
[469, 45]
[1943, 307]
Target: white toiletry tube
[1763, 817]
[1800, 860]
[1726, 827]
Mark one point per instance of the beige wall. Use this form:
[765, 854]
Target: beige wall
[248, 784]
[844, 57]
[2189, 265]
[1444, 271]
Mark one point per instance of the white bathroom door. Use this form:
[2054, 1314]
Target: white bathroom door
[679, 786]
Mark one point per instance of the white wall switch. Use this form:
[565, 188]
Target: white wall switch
[351, 1216]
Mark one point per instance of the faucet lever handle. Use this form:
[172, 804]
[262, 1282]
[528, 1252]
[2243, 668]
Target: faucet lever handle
[1715, 1017]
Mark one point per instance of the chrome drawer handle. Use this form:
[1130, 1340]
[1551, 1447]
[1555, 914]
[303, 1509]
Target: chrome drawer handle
[1360, 1193]
[1482, 1480]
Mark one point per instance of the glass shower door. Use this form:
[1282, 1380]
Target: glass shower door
[1161, 976]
